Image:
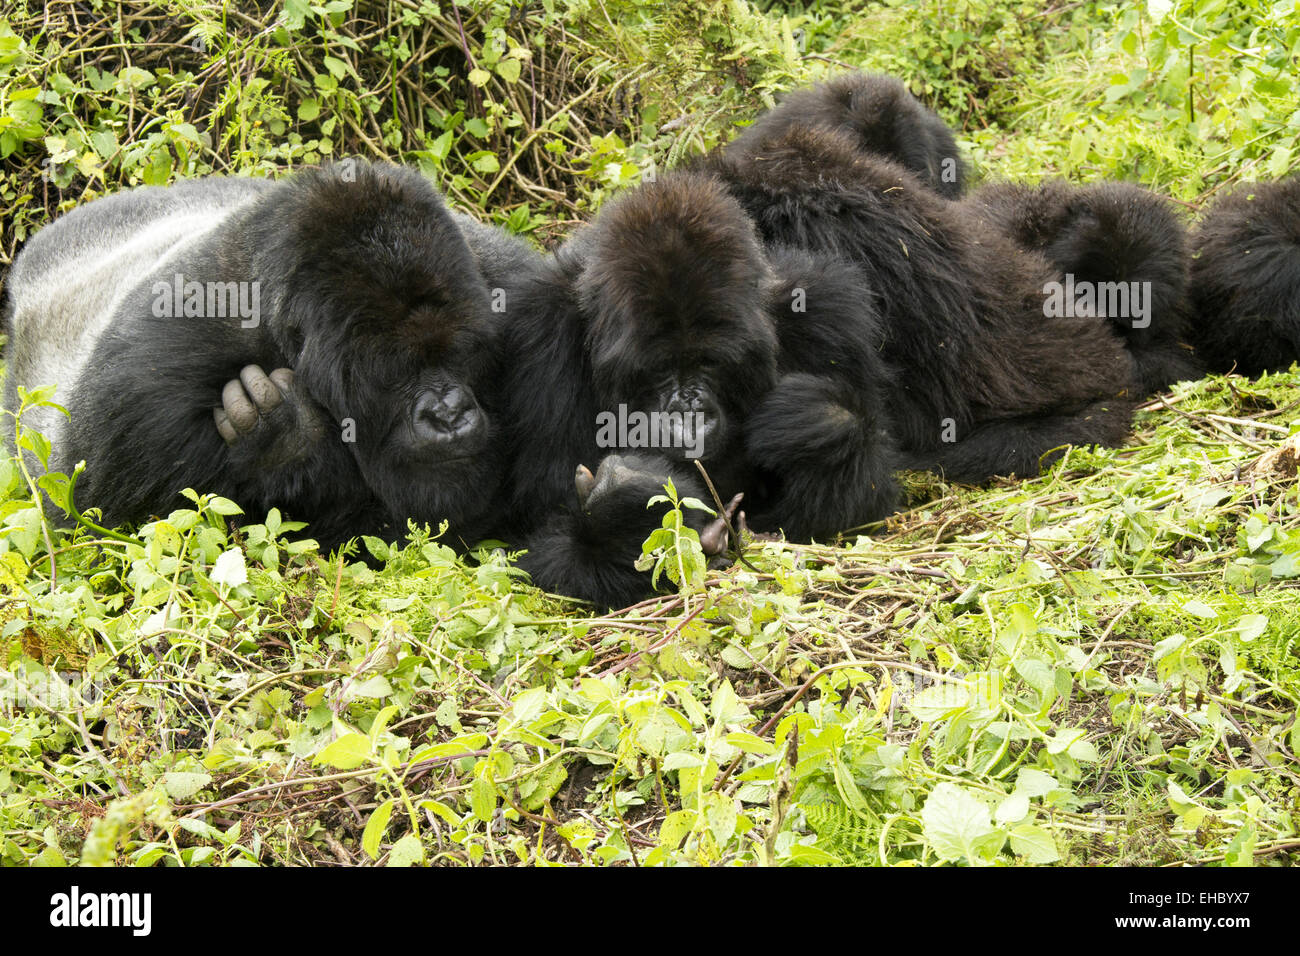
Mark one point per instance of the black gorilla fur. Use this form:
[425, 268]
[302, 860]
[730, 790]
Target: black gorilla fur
[1110, 232]
[1246, 279]
[369, 293]
[666, 303]
[961, 305]
[882, 117]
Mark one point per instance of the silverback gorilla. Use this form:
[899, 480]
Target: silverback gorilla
[141, 306]
[1246, 279]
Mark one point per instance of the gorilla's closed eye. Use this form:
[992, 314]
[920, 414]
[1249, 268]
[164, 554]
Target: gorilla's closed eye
[431, 301]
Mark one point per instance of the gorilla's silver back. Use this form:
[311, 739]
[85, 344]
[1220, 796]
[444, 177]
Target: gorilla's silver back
[500, 255]
[66, 285]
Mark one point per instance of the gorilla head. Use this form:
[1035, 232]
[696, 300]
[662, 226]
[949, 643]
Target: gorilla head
[882, 118]
[675, 290]
[354, 277]
[384, 317]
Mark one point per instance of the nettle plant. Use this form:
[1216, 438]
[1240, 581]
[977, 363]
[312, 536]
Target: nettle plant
[183, 567]
[674, 547]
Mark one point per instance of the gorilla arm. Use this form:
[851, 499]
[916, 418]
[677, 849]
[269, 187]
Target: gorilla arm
[818, 443]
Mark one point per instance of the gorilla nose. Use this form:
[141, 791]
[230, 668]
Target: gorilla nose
[698, 417]
[692, 397]
[447, 417]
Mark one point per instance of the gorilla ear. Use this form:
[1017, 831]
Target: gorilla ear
[583, 481]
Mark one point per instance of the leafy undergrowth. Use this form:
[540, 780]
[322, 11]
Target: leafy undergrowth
[1096, 667]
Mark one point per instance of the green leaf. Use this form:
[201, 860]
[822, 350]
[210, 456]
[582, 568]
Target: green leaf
[1078, 147]
[529, 705]
[484, 161]
[750, 743]
[1036, 674]
[1251, 626]
[347, 753]
[229, 569]
[1201, 610]
[812, 856]
[1063, 739]
[726, 706]
[375, 687]
[720, 815]
[181, 785]
[479, 77]
[482, 799]
[954, 823]
[682, 759]
[1013, 809]
[375, 827]
[675, 828]
[508, 69]
[295, 13]
[1034, 843]
[408, 851]
[937, 702]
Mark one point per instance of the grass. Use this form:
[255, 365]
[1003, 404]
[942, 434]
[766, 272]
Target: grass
[1098, 666]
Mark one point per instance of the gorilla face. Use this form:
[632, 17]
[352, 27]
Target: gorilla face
[389, 327]
[675, 287]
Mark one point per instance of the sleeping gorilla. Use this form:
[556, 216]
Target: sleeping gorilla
[1246, 279]
[141, 306]
[667, 304]
[1104, 233]
[1101, 235]
[988, 383]
[881, 117]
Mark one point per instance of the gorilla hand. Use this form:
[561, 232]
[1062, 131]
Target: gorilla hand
[591, 551]
[716, 536]
[268, 420]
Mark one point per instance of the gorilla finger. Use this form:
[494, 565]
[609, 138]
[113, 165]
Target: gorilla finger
[224, 426]
[261, 390]
[714, 538]
[283, 378]
[242, 414]
[730, 510]
[583, 481]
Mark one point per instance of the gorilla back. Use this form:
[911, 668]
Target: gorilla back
[1246, 279]
[879, 116]
[988, 383]
[141, 306]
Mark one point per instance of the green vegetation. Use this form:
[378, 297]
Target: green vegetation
[1099, 666]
